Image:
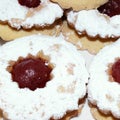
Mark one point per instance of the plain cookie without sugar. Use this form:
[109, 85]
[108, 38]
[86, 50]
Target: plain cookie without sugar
[93, 45]
[7, 33]
[77, 5]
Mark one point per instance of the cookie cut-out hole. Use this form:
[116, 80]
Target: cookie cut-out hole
[111, 8]
[29, 3]
[31, 72]
[114, 71]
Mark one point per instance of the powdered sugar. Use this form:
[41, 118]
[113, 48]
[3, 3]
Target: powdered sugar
[94, 23]
[60, 94]
[102, 92]
[20, 16]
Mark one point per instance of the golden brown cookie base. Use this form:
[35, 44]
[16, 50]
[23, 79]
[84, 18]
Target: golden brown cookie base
[79, 4]
[7, 33]
[93, 45]
[100, 116]
[1, 116]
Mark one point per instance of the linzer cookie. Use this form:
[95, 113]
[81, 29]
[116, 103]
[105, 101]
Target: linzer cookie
[104, 83]
[80, 4]
[103, 21]
[29, 13]
[93, 45]
[40, 79]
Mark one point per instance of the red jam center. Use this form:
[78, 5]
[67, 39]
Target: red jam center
[111, 8]
[29, 3]
[31, 73]
[116, 71]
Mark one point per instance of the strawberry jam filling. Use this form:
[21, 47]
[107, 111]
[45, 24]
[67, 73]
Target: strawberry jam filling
[116, 71]
[29, 3]
[111, 8]
[31, 73]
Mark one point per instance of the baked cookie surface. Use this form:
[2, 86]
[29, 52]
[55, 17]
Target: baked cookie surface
[7, 33]
[80, 4]
[83, 42]
[99, 116]
[65, 88]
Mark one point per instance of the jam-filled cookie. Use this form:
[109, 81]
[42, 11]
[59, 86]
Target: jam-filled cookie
[93, 45]
[79, 4]
[104, 83]
[29, 13]
[103, 21]
[42, 77]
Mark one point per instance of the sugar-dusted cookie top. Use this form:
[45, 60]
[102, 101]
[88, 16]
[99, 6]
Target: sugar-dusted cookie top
[24, 15]
[104, 83]
[103, 21]
[42, 77]
[79, 4]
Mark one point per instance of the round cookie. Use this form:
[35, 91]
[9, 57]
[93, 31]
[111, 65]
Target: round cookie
[59, 88]
[20, 15]
[104, 83]
[93, 45]
[77, 5]
[96, 22]
[7, 33]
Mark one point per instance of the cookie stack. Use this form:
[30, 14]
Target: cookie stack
[43, 74]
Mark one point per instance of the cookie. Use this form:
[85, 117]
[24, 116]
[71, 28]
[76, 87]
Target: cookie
[93, 45]
[99, 116]
[7, 33]
[23, 14]
[96, 22]
[104, 82]
[79, 4]
[40, 78]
